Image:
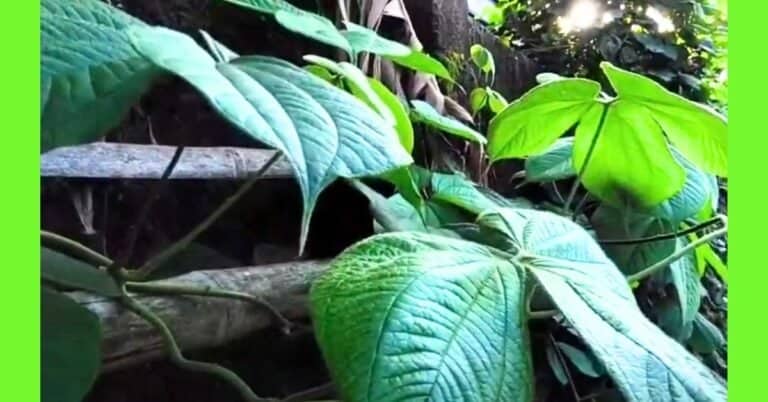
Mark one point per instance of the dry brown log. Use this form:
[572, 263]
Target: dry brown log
[197, 321]
[103, 160]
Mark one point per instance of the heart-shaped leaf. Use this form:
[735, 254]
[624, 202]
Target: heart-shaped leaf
[424, 112]
[90, 74]
[529, 125]
[70, 348]
[326, 133]
[412, 316]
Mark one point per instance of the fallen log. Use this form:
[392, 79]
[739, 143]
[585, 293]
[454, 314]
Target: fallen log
[202, 322]
[104, 160]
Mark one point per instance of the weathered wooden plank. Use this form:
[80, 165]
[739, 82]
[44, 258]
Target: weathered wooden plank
[104, 160]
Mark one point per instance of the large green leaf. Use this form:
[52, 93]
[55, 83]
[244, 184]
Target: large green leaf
[631, 164]
[66, 271]
[697, 131]
[596, 300]
[424, 112]
[410, 316]
[90, 74]
[326, 133]
[529, 125]
[70, 348]
[699, 188]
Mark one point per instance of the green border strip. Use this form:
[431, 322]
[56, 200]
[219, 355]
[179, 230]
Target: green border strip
[20, 200]
[748, 142]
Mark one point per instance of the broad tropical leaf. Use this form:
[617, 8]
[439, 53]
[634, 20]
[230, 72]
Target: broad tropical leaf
[697, 131]
[90, 74]
[326, 133]
[425, 113]
[595, 299]
[529, 125]
[64, 270]
[412, 316]
[631, 164]
[70, 348]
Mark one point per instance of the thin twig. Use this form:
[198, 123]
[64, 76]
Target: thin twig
[310, 394]
[76, 249]
[665, 236]
[155, 262]
[174, 353]
[676, 255]
[565, 367]
[133, 234]
[208, 291]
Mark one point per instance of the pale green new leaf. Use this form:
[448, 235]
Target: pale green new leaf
[64, 270]
[556, 163]
[90, 74]
[424, 112]
[496, 101]
[326, 133]
[70, 348]
[478, 98]
[399, 111]
[374, 94]
[363, 39]
[411, 316]
[530, 124]
[358, 84]
[631, 164]
[595, 299]
[696, 130]
[483, 59]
